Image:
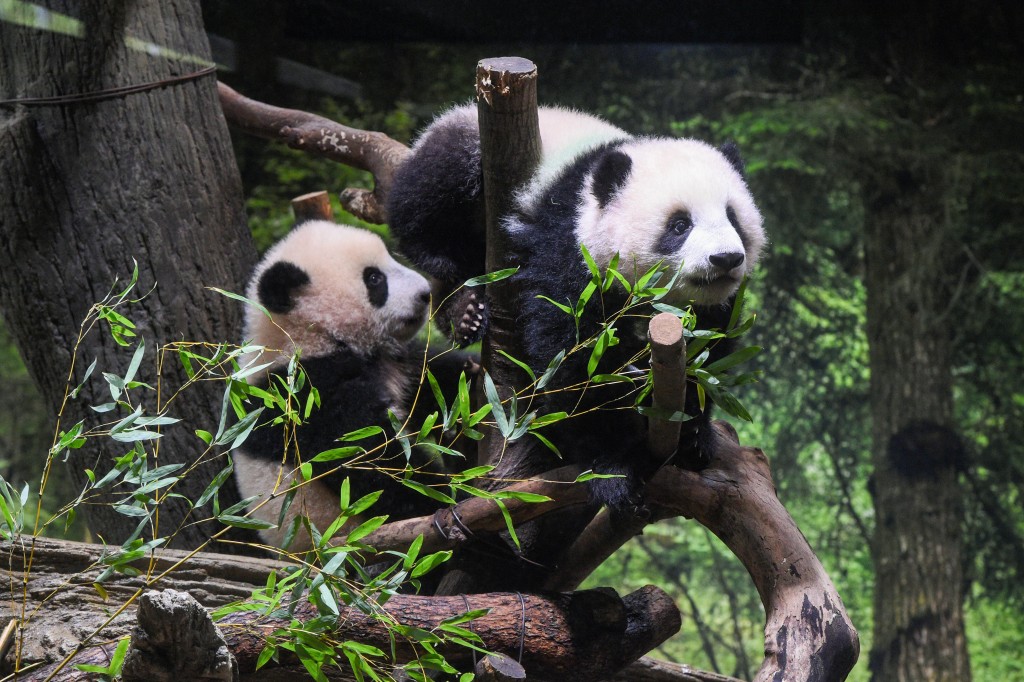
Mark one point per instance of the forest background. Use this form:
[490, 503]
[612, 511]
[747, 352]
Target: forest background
[927, 98]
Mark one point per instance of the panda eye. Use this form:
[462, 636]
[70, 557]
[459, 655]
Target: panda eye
[680, 223]
[373, 277]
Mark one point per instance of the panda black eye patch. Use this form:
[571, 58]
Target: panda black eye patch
[278, 284]
[376, 286]
[677, 229]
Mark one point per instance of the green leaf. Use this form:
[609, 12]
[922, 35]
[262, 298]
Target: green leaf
[611, 378]
[547, 443]
[532, 498]
[215, 484]
[429, 492]
[491, 277]
[591, 265]
[241, 298]
[429, 562]
[244, 522]
[549, 418]
[561, 306]
[491, 393]
[733, 359]
[360, 434]
[605, 340]
[508, 522]
[338, 453]
[133, 366]
[590, 476]
[549, 373]
[522, 365]
[88, 373]
[241, 430]
[474, 472]
[366, 528]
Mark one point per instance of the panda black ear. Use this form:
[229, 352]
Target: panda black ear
[610, 175]
[278, 284]
[732, 154]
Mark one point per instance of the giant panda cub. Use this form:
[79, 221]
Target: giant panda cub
[678, 202]
[336, 295]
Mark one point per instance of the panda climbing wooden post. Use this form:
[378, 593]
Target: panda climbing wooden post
[506, 89]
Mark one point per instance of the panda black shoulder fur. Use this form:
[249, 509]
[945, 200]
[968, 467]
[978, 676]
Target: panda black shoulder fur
[336, 295]
[680, 202]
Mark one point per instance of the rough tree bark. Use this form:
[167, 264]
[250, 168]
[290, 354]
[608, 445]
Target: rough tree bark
[917, 545]
[91, 185]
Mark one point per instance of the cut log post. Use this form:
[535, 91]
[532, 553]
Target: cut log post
[506, 90]
[668, 394]
[312, 206]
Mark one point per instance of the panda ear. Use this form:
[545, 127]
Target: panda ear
[610, 175]
[731, 152]
[278, 285]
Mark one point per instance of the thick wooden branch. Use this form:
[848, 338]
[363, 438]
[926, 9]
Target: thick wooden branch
[364, 149]
[807, 628]
[587, 635]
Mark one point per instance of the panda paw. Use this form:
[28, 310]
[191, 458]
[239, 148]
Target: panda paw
[470, 316]
[696, 445]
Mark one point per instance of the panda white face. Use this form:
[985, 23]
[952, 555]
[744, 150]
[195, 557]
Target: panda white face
[678, 202]
[326, 285]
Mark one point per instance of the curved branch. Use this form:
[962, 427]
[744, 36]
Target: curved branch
[364, 149]
[806, 627]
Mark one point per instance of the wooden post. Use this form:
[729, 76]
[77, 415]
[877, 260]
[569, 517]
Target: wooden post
[312, 206]
[506, 89]
[668, 364]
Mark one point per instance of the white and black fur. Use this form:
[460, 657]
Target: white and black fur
[337, 296]
[679, 202]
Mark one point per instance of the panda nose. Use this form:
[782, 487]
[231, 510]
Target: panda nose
[425, 296]
[727, 260]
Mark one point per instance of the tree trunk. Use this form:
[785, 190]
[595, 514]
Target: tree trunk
[917, 547]
[91, 185]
